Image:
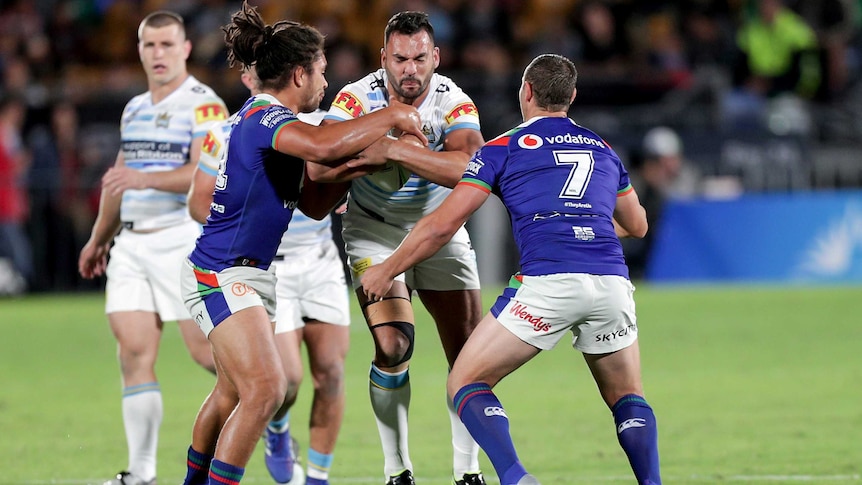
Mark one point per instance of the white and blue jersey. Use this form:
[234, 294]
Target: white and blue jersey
[255, 193]
[157, 138]
[446, 109]
[559, 183]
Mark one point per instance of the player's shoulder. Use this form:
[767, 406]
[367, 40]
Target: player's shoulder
[521, 135]
[264, 110]
[359, 97]
[444, 84]
[195, 89]
[374, 80]
[137, 102]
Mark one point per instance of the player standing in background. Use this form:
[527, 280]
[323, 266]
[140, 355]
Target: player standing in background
[569, 200]
[379, 216]
[144, 194]
[228, 283]
[311, 306]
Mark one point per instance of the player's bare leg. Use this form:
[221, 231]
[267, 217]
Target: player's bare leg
[327, 347]
[197, 344]
[391, 323]
[456, 313]
[491, 353]
[282, 449]
[245, 348]
[138, 334]
[618, 377]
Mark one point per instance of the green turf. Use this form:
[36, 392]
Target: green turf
[749, 384]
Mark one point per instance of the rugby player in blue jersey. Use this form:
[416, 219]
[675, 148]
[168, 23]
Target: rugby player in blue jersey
[312, 307]
[228, 285]
[569, 200]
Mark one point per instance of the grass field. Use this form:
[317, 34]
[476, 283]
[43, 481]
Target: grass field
[749, 384]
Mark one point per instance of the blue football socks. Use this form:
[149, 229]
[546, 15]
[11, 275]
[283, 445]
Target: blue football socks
[638, 436]
[198, 468]
[485, 418]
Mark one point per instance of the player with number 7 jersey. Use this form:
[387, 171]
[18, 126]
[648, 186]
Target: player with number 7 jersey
[559, 182]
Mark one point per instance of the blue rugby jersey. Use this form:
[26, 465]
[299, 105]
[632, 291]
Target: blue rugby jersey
[559, 182]
[256, 193]
[304, 231]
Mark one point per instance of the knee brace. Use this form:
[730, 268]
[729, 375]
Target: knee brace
[395, 312]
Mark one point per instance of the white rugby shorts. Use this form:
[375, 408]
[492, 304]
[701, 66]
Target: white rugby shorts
[369, 241]
[599, 310]
[212, 296]
[143, 272]
[311, 286]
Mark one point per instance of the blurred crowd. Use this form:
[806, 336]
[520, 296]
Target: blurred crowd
[67, 67]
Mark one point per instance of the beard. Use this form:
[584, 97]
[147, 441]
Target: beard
[411, 92]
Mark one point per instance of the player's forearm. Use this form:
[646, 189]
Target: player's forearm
[337, 174]
[178, 180]
[424, 240]
[335, 141]
[199, 206]
[443, 168]
[107, 222]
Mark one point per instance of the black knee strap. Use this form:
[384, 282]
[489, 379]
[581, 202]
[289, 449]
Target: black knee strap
[371, 302]
[408, 330]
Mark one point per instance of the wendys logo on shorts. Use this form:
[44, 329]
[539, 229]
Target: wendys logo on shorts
[530, 142]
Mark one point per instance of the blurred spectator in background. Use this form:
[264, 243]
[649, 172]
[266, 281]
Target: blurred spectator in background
[14, 160]
[836, 23]
[659, 173]
[604, 46]
[777, 56]
[53, 181]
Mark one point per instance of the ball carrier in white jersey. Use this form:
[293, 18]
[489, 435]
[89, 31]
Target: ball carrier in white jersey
[569, 200]
[145, 195]
[312, 306]
[381, 213]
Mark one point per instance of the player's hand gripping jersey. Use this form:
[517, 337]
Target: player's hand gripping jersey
[158, 138]
[255, 175]
[445, 109]
[560, 182]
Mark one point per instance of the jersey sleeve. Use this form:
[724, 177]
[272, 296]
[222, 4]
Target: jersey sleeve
[484, 169]
[209, 112]
[273, 119]
[460, 111]
[212, 149]
[625, 185]
[347, 105]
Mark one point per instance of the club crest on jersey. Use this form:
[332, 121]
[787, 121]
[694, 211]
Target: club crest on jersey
[209, 112]
[163, 120]
[348, 103]
[530, 142]
[429, 133]
[460, 110]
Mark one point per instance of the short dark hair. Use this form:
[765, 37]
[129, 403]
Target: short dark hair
[161, 18]
[274, 51]
[553, 78]
[408, 23]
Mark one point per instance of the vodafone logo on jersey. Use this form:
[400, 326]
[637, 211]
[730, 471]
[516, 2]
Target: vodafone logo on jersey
[530, 142]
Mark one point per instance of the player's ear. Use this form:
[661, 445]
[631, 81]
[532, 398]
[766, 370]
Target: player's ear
[574, 95]
[436, 57]
[382, 56]
[299, 76]
[187, 49]
[528, 91]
